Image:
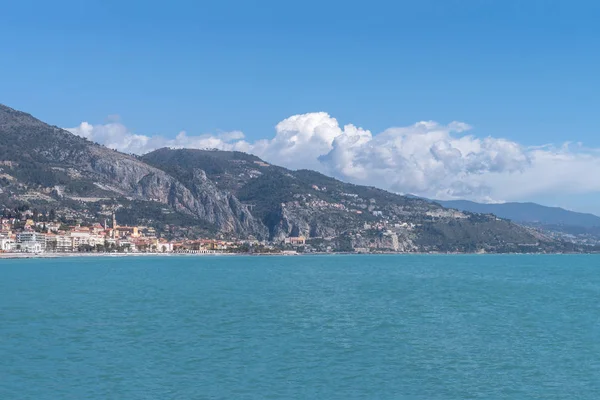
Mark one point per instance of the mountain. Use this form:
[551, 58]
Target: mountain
[527, 213]
[571, 225]
[190, 193]
[46, 162]
[303, 202]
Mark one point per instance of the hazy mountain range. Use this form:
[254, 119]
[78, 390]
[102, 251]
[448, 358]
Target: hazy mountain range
[528, 213]
[552, 219]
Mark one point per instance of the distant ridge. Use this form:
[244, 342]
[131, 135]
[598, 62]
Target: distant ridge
[529, 213]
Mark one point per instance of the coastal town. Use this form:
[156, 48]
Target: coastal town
[25, 231]
[26, 234]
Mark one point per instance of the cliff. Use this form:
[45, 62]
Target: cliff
[40, 156]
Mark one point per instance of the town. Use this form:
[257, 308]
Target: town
[27, 234]
[29, 231]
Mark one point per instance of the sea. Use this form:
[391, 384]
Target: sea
[301, 327]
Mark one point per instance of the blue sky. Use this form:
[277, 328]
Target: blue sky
[525, 71]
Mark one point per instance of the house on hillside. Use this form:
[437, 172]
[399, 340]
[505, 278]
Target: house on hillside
[295, 240]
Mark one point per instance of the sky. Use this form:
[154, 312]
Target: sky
[484, 100]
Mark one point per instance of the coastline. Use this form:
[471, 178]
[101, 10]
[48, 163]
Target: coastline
[71, 255]
[9, 256]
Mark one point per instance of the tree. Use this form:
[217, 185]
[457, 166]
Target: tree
[85, 248]
[51, 246]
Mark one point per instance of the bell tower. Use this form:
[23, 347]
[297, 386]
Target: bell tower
[114, 225]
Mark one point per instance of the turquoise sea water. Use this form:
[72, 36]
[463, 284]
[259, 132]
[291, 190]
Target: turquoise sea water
[314, 327]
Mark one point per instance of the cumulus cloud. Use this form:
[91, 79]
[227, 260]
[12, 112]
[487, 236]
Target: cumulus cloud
[116, 136]
[427, 158]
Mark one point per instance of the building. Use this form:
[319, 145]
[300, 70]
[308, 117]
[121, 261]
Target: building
[79, 237]
[118, 231]
[6, 226]
[31, 242]
[7, 244]
[53, 226]
[191, 246]
[59, 243]
[126, 231]
[83, 237]
[147, 231]
[127, 245]
[295, 240]
[165, 246]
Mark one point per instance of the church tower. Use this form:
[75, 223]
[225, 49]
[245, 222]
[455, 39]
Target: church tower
[114, 225]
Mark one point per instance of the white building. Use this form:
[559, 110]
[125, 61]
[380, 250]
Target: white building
[80, 238]
[164, 246]
[31, 242]
[59, 243]
[53, 226]
[7, 244]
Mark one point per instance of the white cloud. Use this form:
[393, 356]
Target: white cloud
[116, 136]
[427, 158]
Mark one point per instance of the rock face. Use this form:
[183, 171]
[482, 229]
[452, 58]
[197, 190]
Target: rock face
[309, 222]
[39, 150]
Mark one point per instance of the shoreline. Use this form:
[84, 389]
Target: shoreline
[12, 256]
[71, 255]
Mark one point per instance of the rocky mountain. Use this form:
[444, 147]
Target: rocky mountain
[307, 203]
[48, 163]
[200, 192]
